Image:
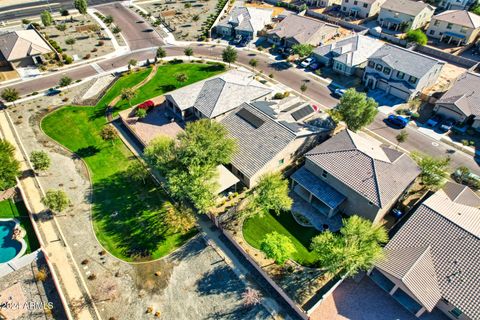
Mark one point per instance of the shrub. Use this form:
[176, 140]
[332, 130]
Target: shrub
[87, 56]
[278, 96]
[417, 36]
[41, 275]
[92, 277]
[464, 142]
[68, 60]
[25, 21]
[94, 50]
[101, 43]
[270, 75]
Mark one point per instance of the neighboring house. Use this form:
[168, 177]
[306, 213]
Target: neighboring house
[295, 29]
[23, 48]
[458, 26]
[323, 3]
[244, 21]
[270, 135]
[352, 174]
[433, 260]
[213, 98]
[462, 101]
[401, 72]
[361, 8]
[456, 4]
[349, 55]
[405, 14]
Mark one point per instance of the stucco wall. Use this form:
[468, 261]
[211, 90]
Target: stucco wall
[370, 10]
[449, 111]
[440, 29]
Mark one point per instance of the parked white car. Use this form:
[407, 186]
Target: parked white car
[305, 63]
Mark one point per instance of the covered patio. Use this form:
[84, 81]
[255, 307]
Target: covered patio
[448, 37]
[227, 181]
[391, 23]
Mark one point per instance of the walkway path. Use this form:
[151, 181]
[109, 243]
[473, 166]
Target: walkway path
[58, 252]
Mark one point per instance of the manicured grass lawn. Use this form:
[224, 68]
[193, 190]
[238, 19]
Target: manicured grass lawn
[255, 229]
[125, 214]
[10, 209]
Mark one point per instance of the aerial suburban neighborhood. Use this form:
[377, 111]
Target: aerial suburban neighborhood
[240, 159]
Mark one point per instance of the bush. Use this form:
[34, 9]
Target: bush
[94, 50]
[87, 56]
[68, 60]
[464, 142]
[415, 116]
[101, 43]
[417, 36]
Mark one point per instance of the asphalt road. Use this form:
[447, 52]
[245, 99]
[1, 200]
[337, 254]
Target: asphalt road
[34, 8]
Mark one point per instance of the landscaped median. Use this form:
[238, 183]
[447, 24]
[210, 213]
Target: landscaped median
[126, 213]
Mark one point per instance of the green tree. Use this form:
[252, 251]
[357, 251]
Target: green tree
[253, 63]
[81, 6]
[46, 18]
[9, 166]
[160, 153]
[40, 160]
[64, 12]
[141, 113]
[188, 52]
[128, 94]
[178, 218]
[70, 42]
[434, 170]
[357, 247]
[181, 77]
[61, 27]
[160, 54]
[303, 50]
[108, 133]
[132, 63]
[401, 137]
[56, 200]
[475, 9]
[303, 87]
[417, 36]
[108, 20]
[270, 194]
[116, 30]
[10, 95]
[65, 81]
[278, 247]
[137, 172]
[356, 109]
[229, 55]
[196, 18]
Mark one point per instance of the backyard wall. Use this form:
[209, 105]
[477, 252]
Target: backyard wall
[336, 21]
[447, 57]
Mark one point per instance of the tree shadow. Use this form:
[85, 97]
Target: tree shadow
[86, 152]
[97, 112]
[220, 280]
[190, 250]
[242, 312]
[166, 88]
[213, 67]
[279, 66]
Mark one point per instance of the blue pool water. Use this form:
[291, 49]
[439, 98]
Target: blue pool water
[9, 248]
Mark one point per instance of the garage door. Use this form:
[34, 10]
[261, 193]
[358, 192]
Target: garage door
[400, 93]
[382, 85]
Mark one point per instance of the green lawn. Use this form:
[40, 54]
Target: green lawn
[136, 230]
[10, 209]
[255, 229]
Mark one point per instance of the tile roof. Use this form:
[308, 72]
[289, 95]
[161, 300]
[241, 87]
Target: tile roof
[451, 231]
[301, 28]
[460, 17]
[378, 173]
[257, 145]
[464, 94]
[404, 60]
[409, 7]
[247, 18]
[23, 43]
[220, 94]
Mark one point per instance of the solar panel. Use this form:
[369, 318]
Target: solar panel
[249, 117]
[293, 106]
[302, 113]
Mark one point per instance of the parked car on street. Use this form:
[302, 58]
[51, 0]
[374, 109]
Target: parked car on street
[52, 92]
[397, 121]
[237, 39]
[433, 121]
[244, 42]
[447, 125]
[307, 62]
[466, 177]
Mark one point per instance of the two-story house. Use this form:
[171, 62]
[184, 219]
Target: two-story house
[349, 55]
[361, 8]
[323, 3]
[405, 14]
[456, 4]
[458, 27]
[432, 261]
[244, 21]
[295, 29]
[401, 72]
[353, 174]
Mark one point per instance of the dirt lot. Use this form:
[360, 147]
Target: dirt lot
[180, 15]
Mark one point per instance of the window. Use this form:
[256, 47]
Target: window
[370, 203]
[463, 30]
[355, 2]
[371, 64]
[344, 8]
[400, 75]
[324, 173]
[412, 79]
[386, 71]
[432, 32]
[365, 5]
[449, 26]
[435, 23]
[456, 312]
[281, 162]
[379, 67]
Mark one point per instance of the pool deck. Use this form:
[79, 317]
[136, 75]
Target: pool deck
[22, 241]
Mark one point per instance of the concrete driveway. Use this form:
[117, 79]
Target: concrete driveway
[387, 103]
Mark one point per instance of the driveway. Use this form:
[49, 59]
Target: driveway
[387, 103]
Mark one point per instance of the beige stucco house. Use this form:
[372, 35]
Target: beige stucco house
[361, 8]
[455, 26]
[23, 47]
[323, 3]
[405, 14]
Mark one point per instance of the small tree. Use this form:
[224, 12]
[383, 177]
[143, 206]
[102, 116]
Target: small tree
[132, 63]
[40, 160]
[179, 219]
[303, 87]
[160, 54]
[277, 247]
[61, 27]
[181, 77]
[65, 81]
[81, 6]
[160, 152]
[137, 172]
[417, 36]
[108, 133]
[356, 109]
[108, 20]
[188, 52]
[303, 50]
[56, 200]
[70, 42]
[196, 18]
[64, 12]
[9, 166]
[357, 247]
[270, 194]
[141, 113]
[253, 63]
[46, 18]
[10, 95]
[229, 55]
[401, 137]
[128, 94]
[434, 170]
[116, 30]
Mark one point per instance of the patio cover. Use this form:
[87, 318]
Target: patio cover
[226, 179]
[455, 35]
[318, 188]
[393, 20]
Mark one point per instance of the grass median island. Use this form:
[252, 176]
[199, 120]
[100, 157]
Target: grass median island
[256, 227]
[126, 214]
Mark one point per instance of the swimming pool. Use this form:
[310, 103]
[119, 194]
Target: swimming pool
[9, 248]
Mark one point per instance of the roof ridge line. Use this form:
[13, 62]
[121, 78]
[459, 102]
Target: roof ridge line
[416, 262]
[278, 122]
[376, 181]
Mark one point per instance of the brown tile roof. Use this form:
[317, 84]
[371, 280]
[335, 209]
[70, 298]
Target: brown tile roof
[20, 44]
[464, 94]
[409, 7]
[460, 17]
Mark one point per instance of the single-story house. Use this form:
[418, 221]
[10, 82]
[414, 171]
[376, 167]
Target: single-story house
[215, 97]
[455, 26]
[462, 101]
[361, 8]
[354, 174]
[432, 261]
[295, 29]
[401, 72]
[405, 14]
[347, 56]
[244, 21]
[23, 48]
